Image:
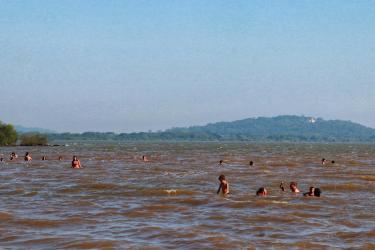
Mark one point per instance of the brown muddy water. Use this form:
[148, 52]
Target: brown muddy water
[119, 202]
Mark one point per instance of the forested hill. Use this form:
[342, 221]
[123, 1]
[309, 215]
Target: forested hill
[280, 128]
[285, 128]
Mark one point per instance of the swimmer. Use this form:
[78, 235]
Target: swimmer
[251, 163]
[262, 191]
[333, 162]
[13, 156]
[76, 163]
[221, 162]
[44, 158]
[60, 158]
[317, 192]
[1, 159]
[144, 158]
[282, 186]
[293, 187]
[28, 157]
[224, 185]
[323, 161]
[310, 193]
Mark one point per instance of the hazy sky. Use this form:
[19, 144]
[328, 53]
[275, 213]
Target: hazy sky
[138, 65]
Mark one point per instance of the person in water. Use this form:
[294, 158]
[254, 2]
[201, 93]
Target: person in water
[317, 192]
[13, 156]
[293, 187]
[60, 158]
[76, 163]
[1, 159]
[313, 192]
[221, 162]
[310, 193]
[224, 185]
[333, 162]
[251, 163]
[44, 158]
[28, 157]
[282, 186]
[262, 191]
[144, 158]
[323, 161]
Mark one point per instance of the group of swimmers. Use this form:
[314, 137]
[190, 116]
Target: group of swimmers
[262, 191]
[224, 188]
[76, 163]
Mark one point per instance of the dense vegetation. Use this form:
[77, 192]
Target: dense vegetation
[33, 139]
[281, 128]
[8, 135]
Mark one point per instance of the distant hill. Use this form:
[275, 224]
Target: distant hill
[280, 128]
[21, 129]
[285, 128]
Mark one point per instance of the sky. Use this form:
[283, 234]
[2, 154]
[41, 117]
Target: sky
[126, 66]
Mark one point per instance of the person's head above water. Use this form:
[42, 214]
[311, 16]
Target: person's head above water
[222, 177]
[333, 162]
[317, 192]
[221, 162]
[293, 187]
[262, 191]
[75, 158]
[251, 163]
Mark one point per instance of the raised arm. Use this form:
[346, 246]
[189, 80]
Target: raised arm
[218, 191]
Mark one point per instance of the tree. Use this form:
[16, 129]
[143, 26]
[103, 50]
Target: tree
[34, 139]
[8, 135]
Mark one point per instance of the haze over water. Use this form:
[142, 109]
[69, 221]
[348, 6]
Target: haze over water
[118, 201]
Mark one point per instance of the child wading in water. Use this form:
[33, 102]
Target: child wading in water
[224, 185]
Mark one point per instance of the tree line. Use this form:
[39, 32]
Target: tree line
[10, 137]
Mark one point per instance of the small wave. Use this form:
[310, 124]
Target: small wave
[244, 201]
[368, 177]
[345, 187]
[303, 214]
[285, 164]
[72, 190]
[30, 194]
[137, 213]
[279, 202]
[171, 191]
[193, 201]
[162, 208]
[273, 218]
[158, 192]
[370, 246]
[98, 244]
[99, 186]
[306, 245]
[39, 223]
[371, 233]
[5, 216]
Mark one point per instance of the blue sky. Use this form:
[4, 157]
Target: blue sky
[147, 65]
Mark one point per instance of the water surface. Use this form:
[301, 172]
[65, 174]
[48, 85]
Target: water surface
[118, 201]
